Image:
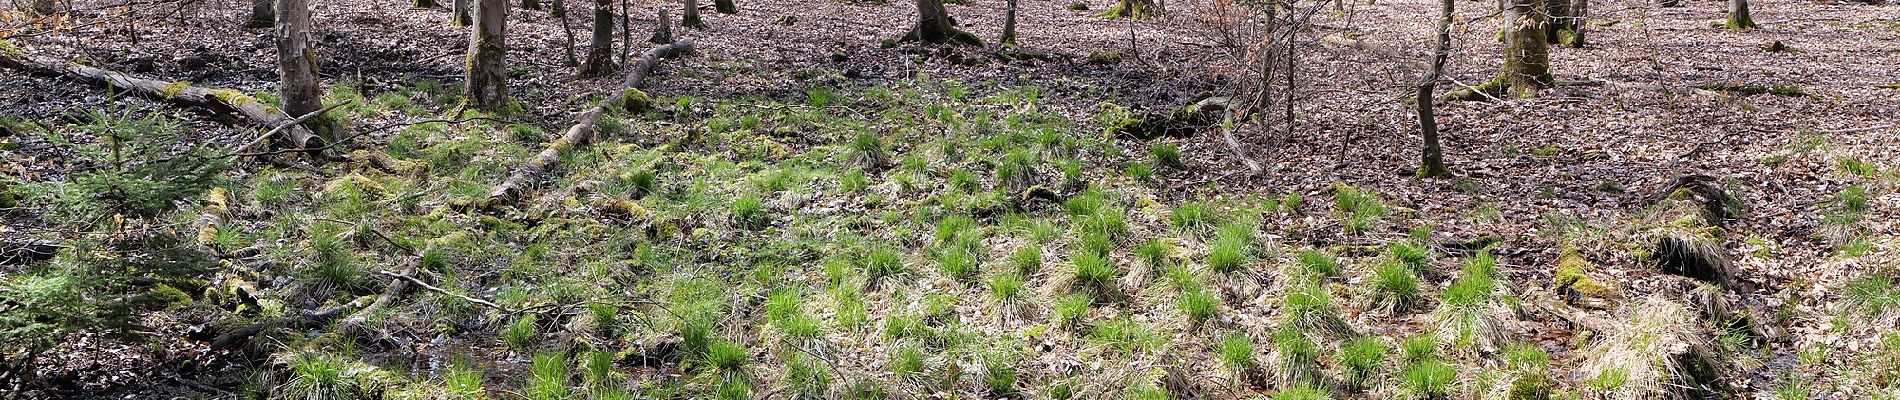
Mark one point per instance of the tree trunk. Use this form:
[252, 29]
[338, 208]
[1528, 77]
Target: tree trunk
[263, 14]
[459, 15]
[690, 16]
[427, 4]
[297, 66]
[662, 30]
[1432, 161]
[220, 102]
[1738, 17]
[531, 4]
[934, 26]
[1135, 9]
[600, 52]
[725, 7]
[1566, 22]
[1009, 24]
[487, 53]
[1526, 56]
[42, 7]
[560, 12]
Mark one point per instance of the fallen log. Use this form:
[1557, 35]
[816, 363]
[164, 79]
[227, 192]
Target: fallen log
[223, 102]
[582, 132]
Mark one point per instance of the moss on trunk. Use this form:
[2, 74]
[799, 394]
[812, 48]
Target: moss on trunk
[1738, 17]
[1136, 9]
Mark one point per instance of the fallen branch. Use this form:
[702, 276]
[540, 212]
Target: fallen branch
[445, 292]
[582, 132]
[1374, 48]
[230, 339]
[222, 102]
[295, 122]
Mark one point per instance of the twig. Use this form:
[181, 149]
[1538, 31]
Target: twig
[433, 288]
[294, 122]
[1861, 129]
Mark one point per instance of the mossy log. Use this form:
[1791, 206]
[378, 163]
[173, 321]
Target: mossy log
[231, 105]
[1684, 232]
[1183, 121]
[1576, 279]
[234, 338]
[582, 132]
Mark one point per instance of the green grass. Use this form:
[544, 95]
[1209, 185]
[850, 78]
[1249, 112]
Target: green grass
[519, 334]
[1319, 264]
[1094, 270]
[1363, 357]
[1198, 304]
[1167, 155]
[1191, 215]
[548, 380]
[1394, 288]
[1360, 209]
[883, 263]
[1073, 309]
[1236, 351]
[727, 356]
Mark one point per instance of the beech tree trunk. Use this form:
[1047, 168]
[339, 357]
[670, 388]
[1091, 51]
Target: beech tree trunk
[1432, 160]
[225, 103]
[427, 4]
[1526, 55]
[725, 7]
[600, 52]
[1009, 24]
[1136, 9]
[690, 16]
[531, 4]
[567, 31]
[1567, 18]
[934, 26]
[459, 13]
[1738, 17]
[487, 53]
[42, 7]
[263, 14]
[662, 30]
[297, 66]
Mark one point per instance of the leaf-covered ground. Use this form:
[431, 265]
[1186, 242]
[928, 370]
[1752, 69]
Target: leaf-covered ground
[806, 213]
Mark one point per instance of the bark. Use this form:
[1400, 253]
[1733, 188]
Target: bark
[227, 103]
[1134, 9]
[531, 4]
[600, 52]
[1738, 17]
[1526, 57]
[934, 26]
[459, 14]
[297, 66]
[1009, 24]
[241, 335]
[427, 4]
[662, 30]
[42, 7]
[263, 14]
[1567, 20]
[689, 17]
[582, 132]
[1432, 161]
[560, 12]
[725, 7]
[487, 72]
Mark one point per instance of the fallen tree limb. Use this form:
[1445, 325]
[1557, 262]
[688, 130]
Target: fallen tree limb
[582, 132]
[446, 292]
[223, 102]
[235, 337]
[1374, 48]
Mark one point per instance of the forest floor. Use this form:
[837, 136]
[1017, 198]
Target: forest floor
[806, 211]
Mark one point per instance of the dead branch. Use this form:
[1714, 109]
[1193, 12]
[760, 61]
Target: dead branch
[582, 132]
